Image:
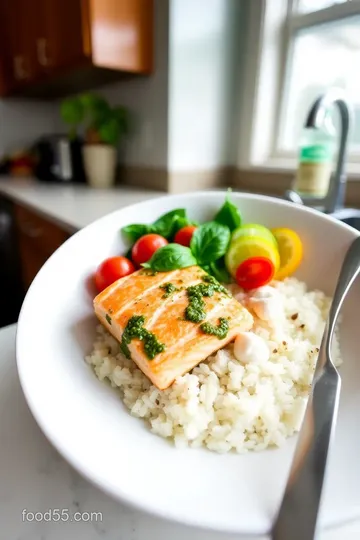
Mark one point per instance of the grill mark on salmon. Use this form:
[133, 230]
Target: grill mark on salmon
[185, 344]
[138, 290]
[169, 304]
[188, 328]
[192, 332]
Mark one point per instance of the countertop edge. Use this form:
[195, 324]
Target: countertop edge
[70, 206]
[64, 225]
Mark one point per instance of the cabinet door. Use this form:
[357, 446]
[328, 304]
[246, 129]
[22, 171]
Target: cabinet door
[38, 239]
[122, 34]
[7, 81]
[31, 261]
[63, 41]
[19, 30]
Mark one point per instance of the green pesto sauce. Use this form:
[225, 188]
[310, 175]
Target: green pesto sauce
[214, 282]
[220, 331]
[135, 329]
[169, 289]
[195, 311]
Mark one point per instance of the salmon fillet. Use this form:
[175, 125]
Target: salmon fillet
[183, 344]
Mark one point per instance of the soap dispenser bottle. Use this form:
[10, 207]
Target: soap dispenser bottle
[316, 154]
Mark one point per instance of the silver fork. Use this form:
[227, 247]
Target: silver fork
[298, 515]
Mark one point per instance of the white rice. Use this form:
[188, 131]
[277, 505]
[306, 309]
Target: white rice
[223, 404]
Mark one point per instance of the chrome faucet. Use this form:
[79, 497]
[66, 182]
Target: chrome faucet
[335, 198]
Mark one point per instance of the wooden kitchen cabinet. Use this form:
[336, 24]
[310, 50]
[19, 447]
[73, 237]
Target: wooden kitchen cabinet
[19, 28]
[63, 40]
[50, 47]
[6, 78]
[38, 238]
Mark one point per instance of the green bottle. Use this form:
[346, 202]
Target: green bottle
[316, 154]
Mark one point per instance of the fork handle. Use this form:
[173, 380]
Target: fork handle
[297, 519]
[298, 515]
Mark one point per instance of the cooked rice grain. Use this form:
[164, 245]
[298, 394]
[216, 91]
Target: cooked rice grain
[223, 404]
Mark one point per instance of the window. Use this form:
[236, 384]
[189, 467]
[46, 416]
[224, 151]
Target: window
[296, 50]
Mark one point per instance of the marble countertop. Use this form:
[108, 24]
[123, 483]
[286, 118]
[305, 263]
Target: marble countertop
[40, 493]
[71, 206]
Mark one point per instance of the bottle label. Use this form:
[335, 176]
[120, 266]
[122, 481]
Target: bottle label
[317, 153]
[313, 179]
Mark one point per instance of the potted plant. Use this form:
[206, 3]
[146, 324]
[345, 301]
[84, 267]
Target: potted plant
[103, 127]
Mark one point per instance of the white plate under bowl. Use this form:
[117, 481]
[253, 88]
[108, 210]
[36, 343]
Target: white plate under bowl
[87, 422]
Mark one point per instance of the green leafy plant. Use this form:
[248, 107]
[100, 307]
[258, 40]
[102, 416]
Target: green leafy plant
[101, 122]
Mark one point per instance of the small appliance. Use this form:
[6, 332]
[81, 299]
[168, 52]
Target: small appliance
[59, 159]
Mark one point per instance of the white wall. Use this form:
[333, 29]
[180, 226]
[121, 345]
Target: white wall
[238, 27]
[22, 121]
[203, 48]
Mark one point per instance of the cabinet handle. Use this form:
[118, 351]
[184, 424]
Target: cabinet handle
[19, 68]
[28, 230]
[42, 52]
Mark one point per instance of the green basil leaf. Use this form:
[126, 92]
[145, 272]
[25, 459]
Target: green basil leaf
[219, 271]
[171, 257]
[166, 224]
[229, 215]
[135, 231]
[209, 242]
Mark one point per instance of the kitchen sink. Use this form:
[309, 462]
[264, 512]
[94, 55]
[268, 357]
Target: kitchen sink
[350, 216]
[353, 222]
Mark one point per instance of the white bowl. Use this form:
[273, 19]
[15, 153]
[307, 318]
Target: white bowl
[88, 424]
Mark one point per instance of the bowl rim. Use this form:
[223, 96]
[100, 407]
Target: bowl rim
[50, 433]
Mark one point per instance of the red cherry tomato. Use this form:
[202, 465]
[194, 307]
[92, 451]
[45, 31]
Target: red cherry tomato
[255, 272]
[184, 235]
[145, 247]
[111, 270]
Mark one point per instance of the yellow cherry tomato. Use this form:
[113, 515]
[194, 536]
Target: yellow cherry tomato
[290, 250]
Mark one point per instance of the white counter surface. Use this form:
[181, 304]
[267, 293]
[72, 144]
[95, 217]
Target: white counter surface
[71, 206]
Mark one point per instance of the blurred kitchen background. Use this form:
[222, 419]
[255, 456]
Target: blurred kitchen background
[107, 102]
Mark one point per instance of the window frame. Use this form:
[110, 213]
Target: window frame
[268, 55]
